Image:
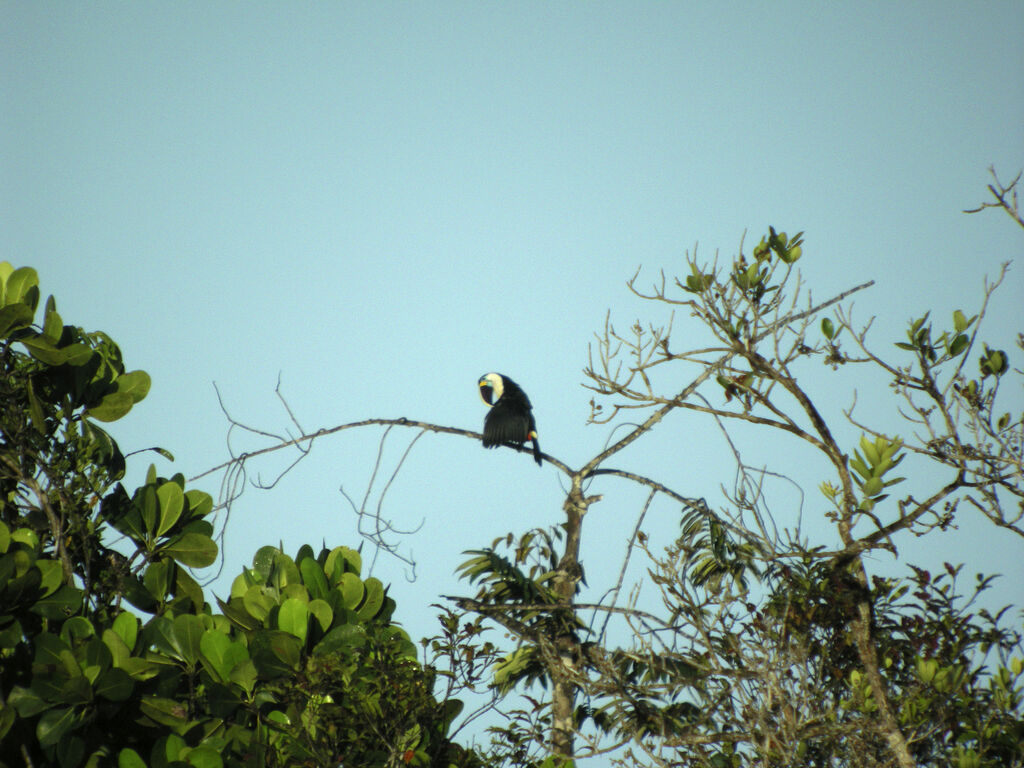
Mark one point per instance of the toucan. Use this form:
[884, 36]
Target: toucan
[510, 420]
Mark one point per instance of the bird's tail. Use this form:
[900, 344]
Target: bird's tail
[536, 448]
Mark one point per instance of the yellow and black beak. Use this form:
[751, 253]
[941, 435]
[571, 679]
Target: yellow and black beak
[486, 391]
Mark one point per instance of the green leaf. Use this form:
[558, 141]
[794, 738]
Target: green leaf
[960, 322]
[60, 605]
[156, 579]
[54, 724]
[204, 757]
[192, 549]
[53, 574]
[275, 653]
[186, 588]
[200, 503]
[172, 503]
[263, 560]
[164, 711]
[127, 628]
[76, 628]
[342, 560]
[828, 329]
[134, 384]
[313, 577]
[343, 638]
[220, 653]
[872, 487]
[244, 675]
[112, 407]
[129, 758]
[19, 285]
[27, 703]
[14, 317]
[114, 684]
[323, 613]
[294, 618]
[119, 652]
[374, 599]
[958, 345]
[284, 572]
[53, 325]
[258, 603]
[352, 590]
[188, 631]
[238, 614]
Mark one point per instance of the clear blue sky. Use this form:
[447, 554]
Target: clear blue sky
[382, 201]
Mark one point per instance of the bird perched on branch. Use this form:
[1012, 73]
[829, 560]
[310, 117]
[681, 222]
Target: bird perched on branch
[510, 420]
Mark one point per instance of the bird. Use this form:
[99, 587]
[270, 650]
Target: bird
[510, 420]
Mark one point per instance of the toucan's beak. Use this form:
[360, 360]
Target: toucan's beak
[486, 392]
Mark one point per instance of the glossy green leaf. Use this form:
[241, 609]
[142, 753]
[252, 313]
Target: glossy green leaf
[204, 757]
[61, 604]
[263, 560]
[119, 652]
[323, 613]
[188, 631]
[274, 653]
[828, 329]
[341, 560]
[76, 628]
[200, 503]
[217, 654]
[172, 504]
[126, 625]
[159, 633]
[313, 577]
[54, 724]
[49, 648]
[18, 285]
[14, 317]
[238, 614]
[53, 325]
[26, 702]
[187, 587]
[294, 618]
[52, 575]
[352, 590]
[114, 684]
[164, 711]
[344, 638]
[244, 675]
[192, 549]
[374, 599]
[157, 579]
[26, 536]
[283, 572]
[129, 758]
[112, 407]
[134, 384]
[258, 603]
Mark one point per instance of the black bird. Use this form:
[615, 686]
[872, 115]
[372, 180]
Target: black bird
[510, 420]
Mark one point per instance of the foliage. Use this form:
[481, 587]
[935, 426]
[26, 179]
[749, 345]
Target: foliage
[768, 649]
[112, 655]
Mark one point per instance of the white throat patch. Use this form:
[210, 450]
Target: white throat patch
[497, 385]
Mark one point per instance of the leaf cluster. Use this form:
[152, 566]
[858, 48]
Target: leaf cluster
[111, 654]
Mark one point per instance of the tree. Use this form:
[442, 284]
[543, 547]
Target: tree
[769, 648]
[765, 646]
[111, 654]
